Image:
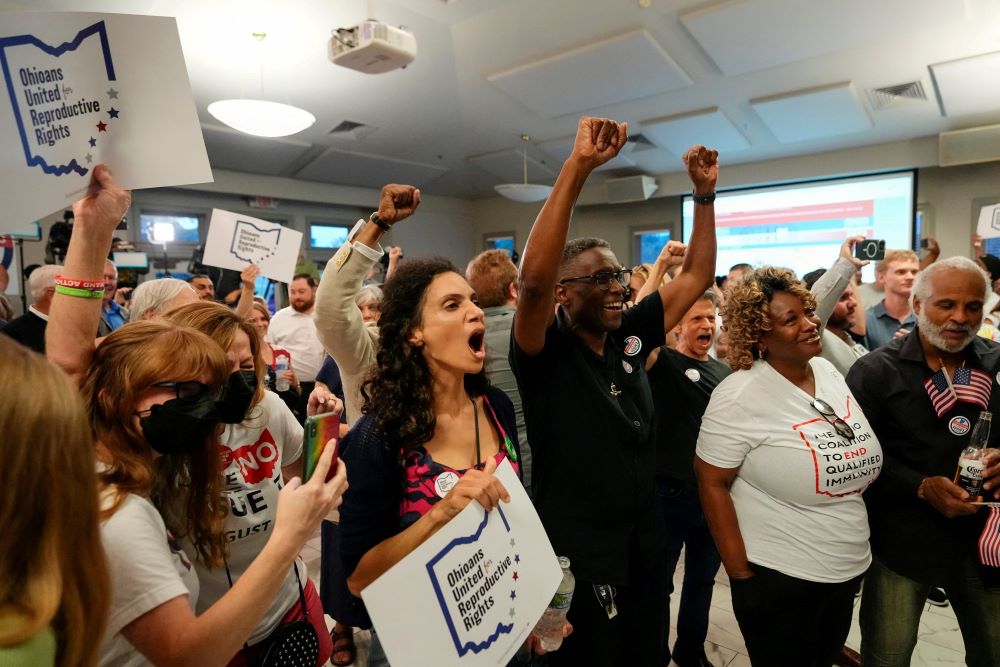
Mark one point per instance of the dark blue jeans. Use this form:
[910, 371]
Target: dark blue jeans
[686, 527]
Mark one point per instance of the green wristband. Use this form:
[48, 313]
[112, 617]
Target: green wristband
[79, 292]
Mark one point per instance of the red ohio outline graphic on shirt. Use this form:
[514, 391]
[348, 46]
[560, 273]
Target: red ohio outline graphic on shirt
[815, 455]
[256, 461]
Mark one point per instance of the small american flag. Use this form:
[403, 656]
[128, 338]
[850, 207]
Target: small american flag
[989, 542]
[968, 385]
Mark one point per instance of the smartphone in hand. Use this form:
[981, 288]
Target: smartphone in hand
[871, 249]
[319, 430]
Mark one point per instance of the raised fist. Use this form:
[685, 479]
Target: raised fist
[703, 168]
[397, 202]
[599, 140]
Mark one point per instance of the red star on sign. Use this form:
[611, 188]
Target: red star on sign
[102, 127]
[515, 575]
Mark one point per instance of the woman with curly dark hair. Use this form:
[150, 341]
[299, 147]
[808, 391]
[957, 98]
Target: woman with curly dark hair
[783, 456]
[433, 430]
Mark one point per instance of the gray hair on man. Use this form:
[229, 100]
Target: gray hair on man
[154, 295]
[43, 278]
[922, 285]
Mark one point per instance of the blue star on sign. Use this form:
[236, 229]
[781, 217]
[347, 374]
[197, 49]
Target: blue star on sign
[113, 112]
[517, 558]
[513, 594]
[92, 142]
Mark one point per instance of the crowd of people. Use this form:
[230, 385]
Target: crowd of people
[761, 422]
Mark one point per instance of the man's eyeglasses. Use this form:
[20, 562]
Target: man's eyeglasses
[603, 278]
[842, 428]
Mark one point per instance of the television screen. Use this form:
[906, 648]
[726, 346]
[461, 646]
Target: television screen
[801, 226]
[327, 236]
[155, 227]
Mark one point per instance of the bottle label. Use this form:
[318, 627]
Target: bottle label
[561, 600]
[970, 475]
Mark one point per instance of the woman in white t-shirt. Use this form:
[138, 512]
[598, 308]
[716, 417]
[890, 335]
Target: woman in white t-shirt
[153, 393]
[783, 456]
[260, 447]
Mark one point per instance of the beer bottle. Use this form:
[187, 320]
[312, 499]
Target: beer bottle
[969, 475]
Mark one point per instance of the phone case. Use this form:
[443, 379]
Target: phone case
[317, 431]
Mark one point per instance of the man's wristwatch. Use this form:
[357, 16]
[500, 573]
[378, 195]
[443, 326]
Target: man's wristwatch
[384, 226]
[703, 199]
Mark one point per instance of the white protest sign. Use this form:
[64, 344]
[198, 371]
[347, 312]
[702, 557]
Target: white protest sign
[82, 89]
[989, 221]
[472, 593]
[237, 241]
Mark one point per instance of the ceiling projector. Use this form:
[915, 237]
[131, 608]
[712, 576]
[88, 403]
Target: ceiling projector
[372, 47]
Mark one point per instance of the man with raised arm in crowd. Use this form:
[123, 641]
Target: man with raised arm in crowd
[589, 411]
[922, 393]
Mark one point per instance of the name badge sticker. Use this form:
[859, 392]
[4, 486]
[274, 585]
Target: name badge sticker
[444, 482]
[959, 425]
[632, 346]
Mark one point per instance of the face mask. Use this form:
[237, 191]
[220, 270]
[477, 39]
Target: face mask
[180, 427]
[237, 397]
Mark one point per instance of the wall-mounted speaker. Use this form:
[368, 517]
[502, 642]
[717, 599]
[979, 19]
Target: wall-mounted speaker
[630, 188]
[971, 146]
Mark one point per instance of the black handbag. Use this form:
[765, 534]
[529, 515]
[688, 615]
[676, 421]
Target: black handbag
[292, 644]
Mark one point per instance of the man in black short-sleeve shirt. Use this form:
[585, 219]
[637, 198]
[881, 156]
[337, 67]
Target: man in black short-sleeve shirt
[589, 411]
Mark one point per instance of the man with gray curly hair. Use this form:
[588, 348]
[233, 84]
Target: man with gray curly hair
[922, 393]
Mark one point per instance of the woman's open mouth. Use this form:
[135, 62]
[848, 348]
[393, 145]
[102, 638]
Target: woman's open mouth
[477, 343]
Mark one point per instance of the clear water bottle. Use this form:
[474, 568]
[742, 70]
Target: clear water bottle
[280, 366]
[550, 626]
[969, 475]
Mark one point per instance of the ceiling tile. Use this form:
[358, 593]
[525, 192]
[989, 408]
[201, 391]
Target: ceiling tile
[813, 114]
[709, 127]
[370, 171]
[229, 149]
[626, 67]
[968, 85]
[747, 36]
[508, 166]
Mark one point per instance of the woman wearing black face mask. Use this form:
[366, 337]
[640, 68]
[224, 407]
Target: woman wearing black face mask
[157, 393]
[261, 444]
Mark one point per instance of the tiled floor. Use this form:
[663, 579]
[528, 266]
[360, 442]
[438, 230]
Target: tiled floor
[940, 642]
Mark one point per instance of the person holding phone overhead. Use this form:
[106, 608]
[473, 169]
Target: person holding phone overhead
[579, 361]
